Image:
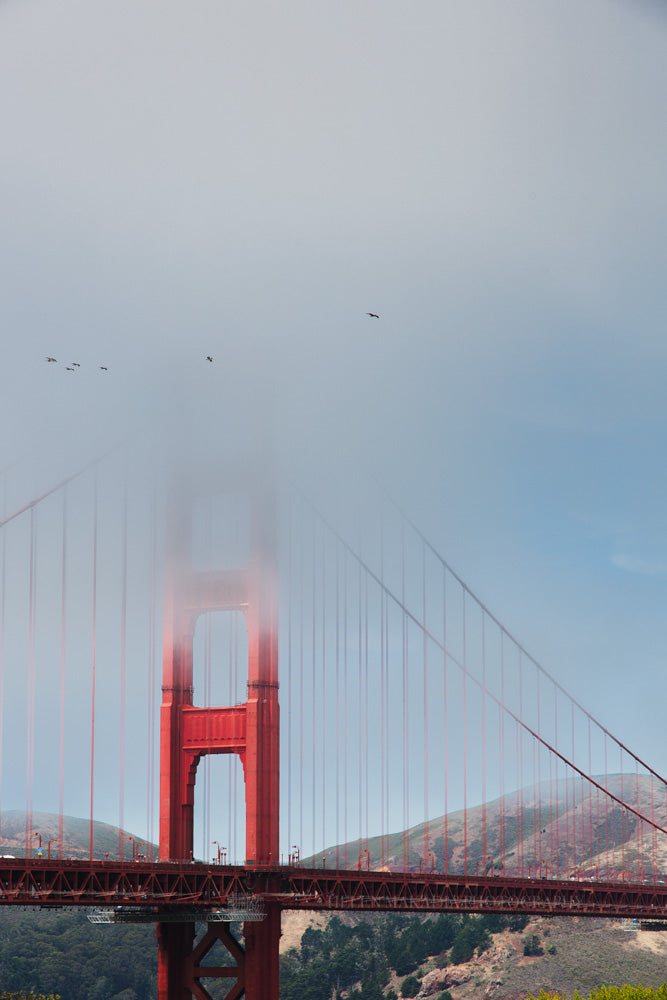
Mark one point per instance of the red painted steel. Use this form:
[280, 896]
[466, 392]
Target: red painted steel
[250, 730]
[161, 888]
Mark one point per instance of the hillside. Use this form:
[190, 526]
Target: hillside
[570, 954]
[370, 956]
[510, 830]
[108, 840]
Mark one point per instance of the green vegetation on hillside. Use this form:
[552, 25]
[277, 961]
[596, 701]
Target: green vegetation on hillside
[28, 996]
[358, 958]
[62, 953]
[611, 993]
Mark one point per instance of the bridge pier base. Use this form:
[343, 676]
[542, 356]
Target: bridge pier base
[262, 939]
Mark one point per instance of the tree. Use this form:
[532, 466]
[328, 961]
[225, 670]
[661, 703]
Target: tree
[532, 946]
[410, 986]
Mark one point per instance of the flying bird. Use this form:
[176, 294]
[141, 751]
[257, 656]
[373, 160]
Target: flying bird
[374, 315]
[76, 364]
[103, 368]
[209, 358]
[50, 359]
[70, 369]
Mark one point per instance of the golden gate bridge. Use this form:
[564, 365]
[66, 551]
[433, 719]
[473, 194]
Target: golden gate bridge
[333, 703]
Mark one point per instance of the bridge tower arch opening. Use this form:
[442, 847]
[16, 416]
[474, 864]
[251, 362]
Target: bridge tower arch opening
[191, 728]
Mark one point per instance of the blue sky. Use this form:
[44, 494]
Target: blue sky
[249, 179]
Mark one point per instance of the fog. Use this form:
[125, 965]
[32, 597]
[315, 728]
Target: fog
[248, 181]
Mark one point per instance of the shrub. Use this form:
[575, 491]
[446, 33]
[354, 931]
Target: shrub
[532, 946]
[28, 996]
[612, 993]
[410, 986]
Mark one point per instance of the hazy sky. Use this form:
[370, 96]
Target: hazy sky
[248, 179]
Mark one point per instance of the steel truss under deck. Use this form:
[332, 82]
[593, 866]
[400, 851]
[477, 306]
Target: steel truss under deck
[162, 888]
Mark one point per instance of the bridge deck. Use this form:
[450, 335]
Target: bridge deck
[191, 888]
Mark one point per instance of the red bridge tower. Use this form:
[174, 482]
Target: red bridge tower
[250, 730]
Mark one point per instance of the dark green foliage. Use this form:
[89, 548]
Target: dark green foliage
[333, 959]
[356, 957]
[410, 940]
[472, 935]
[410, 987]
[28, 996]
[63, 953]
[613, 993]
[532, 946]
[445, 995]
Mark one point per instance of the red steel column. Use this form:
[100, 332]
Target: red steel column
[262, 753]
[251, 730]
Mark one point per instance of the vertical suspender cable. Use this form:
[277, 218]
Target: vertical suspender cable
[558, 792]
[574, 793]
[387, 770]
[590, 796]
[123, 676]
[517, 799]
[313, 712]
[445, 728]
[290, 594]
[324, 693]
[230, 759]
[536, 809]
[654, 835]
[465, 737]
[553, 842]
[427, 846]
[346, 712]
[63, 647]
[539, 775]
[606, 811]
[3, 579]
[484, 850]
[622, 797]
[366, 720]
[235, 695]
[638, 824]
[93, 664]
[383, 707]
[30, 728]
[205, 762]
[501, 754]
[360, 717]
[301, 718]
[406, 772]
[525, 824]
[337, 668]
[521, 772]
[206, 812]
[152, 646]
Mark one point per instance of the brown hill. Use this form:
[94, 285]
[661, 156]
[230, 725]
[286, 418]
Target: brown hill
[574, 953]
[108, 841]
[573, 826]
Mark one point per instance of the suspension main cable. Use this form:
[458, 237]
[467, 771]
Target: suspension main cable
[503, 631]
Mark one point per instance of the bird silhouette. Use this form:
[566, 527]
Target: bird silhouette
[76, 364]
[50, 359]
[374, 315]
[70, 369]
[209, 358]
[103, 368]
